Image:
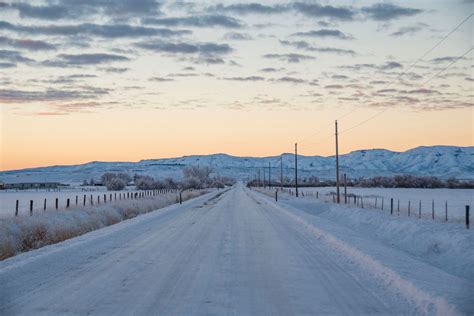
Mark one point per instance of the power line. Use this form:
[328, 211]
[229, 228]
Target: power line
[436, 75]
[442, 70]
[403, 73]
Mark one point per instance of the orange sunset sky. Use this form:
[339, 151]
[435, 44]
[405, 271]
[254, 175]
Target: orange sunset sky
[167, 80]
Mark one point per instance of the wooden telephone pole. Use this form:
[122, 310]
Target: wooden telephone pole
[296, 168]
[281, 172]
[337, 168]
[269, 175]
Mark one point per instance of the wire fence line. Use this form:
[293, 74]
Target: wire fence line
[29, 205]
[415, 208]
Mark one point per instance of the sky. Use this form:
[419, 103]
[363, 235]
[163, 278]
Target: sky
[126, 80]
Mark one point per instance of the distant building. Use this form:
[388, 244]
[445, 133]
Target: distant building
[32, 185]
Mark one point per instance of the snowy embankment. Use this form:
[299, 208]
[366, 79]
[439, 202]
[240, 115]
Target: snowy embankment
[430, 261]
[21, 234]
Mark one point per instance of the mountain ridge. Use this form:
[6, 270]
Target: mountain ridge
[442, 161]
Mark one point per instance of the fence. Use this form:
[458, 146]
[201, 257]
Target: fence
[29, 205]
[394, 206]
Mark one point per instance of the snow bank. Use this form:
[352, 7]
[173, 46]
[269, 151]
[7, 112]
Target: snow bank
[425, 303]
[325, 228]
[25, 233]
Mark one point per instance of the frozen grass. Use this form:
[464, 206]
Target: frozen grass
[22, 234]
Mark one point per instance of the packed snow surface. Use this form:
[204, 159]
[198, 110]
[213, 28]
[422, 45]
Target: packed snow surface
[237, 252]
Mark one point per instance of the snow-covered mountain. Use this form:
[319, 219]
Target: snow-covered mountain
[440, 161]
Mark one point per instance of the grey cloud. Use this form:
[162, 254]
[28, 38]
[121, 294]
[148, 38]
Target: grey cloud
[186, 48]
[408, 30]
[46, 12]
[324, 33]
[249, 8]
[334, 86]
[290, 80]
[249, 78]
[117, 70]
[271, 69]
[160, 79]
[50, 94]
[339, 77]
[358, 66]
[291, 58]
[423, 91]
[28, 44]
[388, 11]
[7, 65]
[378, 82]
[106, 31]
[306, 46]
[237, 36]
[197, 21]
[14, 56]
[447, 59]
[62, 9]
[390, 65]
[65, 60]
[317, 10]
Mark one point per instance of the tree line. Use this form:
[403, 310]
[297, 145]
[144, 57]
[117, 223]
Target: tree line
[194, 177]
[398, 181]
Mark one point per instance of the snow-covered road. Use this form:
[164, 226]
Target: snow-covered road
[222, 253]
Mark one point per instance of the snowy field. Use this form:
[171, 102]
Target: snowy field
[239, 252]
[456, 199]
[8, 199]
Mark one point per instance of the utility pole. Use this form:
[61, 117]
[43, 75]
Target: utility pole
[258, 177]
[269, 175]
[296, 168]
[281, 172]
[264, 183]
[337, 168]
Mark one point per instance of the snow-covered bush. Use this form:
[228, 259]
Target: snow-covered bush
[115, 181]
[20, 234]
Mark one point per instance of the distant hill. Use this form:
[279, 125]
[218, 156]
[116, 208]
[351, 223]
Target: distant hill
[439, 161]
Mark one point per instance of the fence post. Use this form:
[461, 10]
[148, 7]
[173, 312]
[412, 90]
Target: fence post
[362, 202]
[84, 200]
[408, 208]
[345, 188]
[382, 204]
[105, 198]
[432, 210]
[391, 206]
[57, 204]
[467, 216]
[98, 199]
[398, 207]
[419, 210]
[180, 198]
[67, 203]
[44, 205]
[276, 195]
[31, 207]
[16, 208]
[92, 200]
[446, 211]
[375, 202]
